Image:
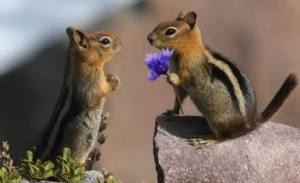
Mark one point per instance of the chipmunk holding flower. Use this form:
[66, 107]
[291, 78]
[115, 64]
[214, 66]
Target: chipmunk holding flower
[87, 86]
[217, 87]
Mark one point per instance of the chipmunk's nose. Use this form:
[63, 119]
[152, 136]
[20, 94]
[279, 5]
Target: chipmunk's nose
[150, 38]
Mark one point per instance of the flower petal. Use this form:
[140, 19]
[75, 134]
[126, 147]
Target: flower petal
[152, 75]
[151, 57]
[167, 53]
[158, 63]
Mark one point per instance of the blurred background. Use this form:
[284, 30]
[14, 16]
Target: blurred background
[261, 36]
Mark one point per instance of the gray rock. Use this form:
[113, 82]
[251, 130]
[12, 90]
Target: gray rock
[90, 177]
[24, 181]
[269, 154]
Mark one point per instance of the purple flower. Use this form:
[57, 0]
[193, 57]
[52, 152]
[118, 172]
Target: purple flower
[158, 64]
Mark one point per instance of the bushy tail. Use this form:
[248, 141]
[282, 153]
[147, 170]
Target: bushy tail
[287, 87]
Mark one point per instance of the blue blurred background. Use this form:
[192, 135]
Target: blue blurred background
[261, 36]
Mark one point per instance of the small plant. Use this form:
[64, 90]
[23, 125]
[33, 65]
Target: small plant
[108, 177]
[9, 175]
[8, 172]
[69, 169]
[36, 170]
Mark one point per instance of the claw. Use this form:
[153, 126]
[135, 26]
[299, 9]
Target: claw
[105, 116]
[114, 81]
[112, 76]
[200, 143]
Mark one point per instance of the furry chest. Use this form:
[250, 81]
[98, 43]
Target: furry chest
[186, 76]
[87, 90]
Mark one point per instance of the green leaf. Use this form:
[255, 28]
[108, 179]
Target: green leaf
[76, 178]
[48, 165]
[69, 169]
[66, 153]
[29, 155]
[33, 168]
[9, 175]
[47, 174]
[79, 171]
[36, 170]
[110, 179]
[66, 168]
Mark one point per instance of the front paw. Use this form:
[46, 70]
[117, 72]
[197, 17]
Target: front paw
[173, 79]
[171, 112]
[114, 81]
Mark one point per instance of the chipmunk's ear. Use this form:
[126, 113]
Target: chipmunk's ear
[189, 17]
[76, 36]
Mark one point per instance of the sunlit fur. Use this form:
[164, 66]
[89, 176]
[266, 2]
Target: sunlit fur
[85, 77]
[220, 91]
[184, 42]
[88, 57]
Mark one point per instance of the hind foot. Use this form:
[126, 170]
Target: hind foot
[201, 142]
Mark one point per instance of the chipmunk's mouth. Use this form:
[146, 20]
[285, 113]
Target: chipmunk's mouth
[157, 44]
[152, 38]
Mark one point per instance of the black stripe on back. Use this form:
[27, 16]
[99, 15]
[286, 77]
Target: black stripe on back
[236, 72]
[73, 110]
[222, 76]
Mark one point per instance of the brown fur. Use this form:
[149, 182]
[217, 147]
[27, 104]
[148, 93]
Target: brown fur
[218, 88]
[80, 125]
[88, 64]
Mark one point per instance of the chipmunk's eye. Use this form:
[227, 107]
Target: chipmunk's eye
[105, 41]
[170, 31]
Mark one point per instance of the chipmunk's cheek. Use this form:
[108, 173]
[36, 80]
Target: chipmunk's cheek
[157, 44]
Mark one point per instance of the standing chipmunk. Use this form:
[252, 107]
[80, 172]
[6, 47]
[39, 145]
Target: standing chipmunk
[220, 91]
[86, 85]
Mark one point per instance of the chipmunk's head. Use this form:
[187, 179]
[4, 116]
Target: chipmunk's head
[93, 47]
[179, 34]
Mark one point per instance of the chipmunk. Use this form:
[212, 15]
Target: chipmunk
[217, 87]
[86, 85]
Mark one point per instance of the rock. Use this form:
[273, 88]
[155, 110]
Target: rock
[90, 177]
[24, 181]
[269, 154]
